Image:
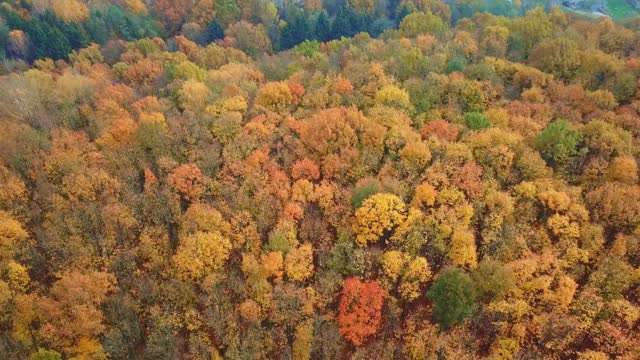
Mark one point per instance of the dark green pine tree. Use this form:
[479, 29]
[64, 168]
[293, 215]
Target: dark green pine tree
[47, 41]
[4, 33]
[295, 31]
[97, 28]
[215, 31]
[38, 35]
[401, 14]
[12, 19]
[363, 23]
[73, 37]
[392, 8]
[76, 35]
[117, 22]
[323, 27]
[345, 23]
[56, 44]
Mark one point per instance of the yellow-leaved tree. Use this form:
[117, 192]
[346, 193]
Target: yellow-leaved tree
[417, 274]
[378, 216]
[393, 96]
[463, 248]
[303, 340]
[205, 243]
[201, 253]
[393, 262]
[299, 263]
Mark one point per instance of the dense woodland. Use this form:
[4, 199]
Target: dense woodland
[35, 29]
[446, 184]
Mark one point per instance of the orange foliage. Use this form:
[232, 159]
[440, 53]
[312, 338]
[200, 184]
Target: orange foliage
[305, 169]
[360, 310]
[71, 313]
[468, 178]
[343, 86]
[296, 89]
[440, 129]
[188, 181]
[615, 205]
[173, 12]
[328, 130]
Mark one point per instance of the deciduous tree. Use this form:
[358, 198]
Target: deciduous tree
[360, 310]
[378, 216]
[453, 297]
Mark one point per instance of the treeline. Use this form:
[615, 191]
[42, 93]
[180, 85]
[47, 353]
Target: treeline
[30, 31]
[48, 36]
[438, 192]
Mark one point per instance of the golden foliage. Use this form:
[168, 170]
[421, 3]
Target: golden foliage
[13, 236]
[193, 95]
[303, 340]
[18, 277]
[555, 200]
[393, 263]
[425, 195]
[299, 263]
[380, 213]
[274, 96]
[70, 10]
[392, 95]
[201, 254]
[272, 263]
[416, 275]
[463, 248]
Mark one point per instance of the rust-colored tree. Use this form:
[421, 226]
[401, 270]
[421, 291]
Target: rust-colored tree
[187, 180]
[360, 310]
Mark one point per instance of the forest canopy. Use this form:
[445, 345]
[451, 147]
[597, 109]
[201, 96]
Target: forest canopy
[406, 179]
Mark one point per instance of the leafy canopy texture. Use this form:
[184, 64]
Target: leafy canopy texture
[453, 295]
[318, 179]
[558, 142]
[378, 216]
[360, 309]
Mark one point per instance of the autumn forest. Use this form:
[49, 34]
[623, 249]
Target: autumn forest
[337, 179]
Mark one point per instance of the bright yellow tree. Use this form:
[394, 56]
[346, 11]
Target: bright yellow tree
[392, 95]
[463, 249]
[299, 263]
[417, 274]
[201, 254]
[393, 262]
[378, 214]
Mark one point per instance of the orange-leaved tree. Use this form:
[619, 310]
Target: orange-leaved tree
[360, 309]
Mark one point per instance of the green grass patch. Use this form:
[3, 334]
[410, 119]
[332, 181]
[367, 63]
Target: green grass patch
[619, 9]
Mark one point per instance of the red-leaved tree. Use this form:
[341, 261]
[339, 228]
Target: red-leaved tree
[360, 309]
